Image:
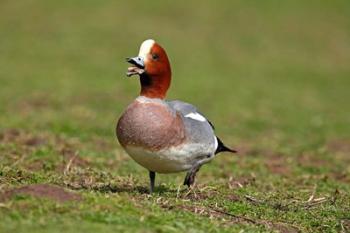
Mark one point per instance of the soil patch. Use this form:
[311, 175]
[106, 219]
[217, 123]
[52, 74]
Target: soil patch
[70, 159]
[277, 164]
[21, 138]
[345, 225]
[52, 192]
[309, 160]
[340, 149]
[339, 145]
[340, 176]
[283, 228]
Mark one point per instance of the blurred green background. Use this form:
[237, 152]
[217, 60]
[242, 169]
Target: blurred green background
[256, 66]
[271, 75]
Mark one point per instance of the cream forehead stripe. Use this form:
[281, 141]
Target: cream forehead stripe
[146, 48]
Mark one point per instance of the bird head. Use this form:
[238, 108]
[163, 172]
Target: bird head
[153, 67]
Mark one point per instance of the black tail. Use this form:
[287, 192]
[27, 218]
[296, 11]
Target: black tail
[222, 147]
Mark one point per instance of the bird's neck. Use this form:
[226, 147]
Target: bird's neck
[154, 86]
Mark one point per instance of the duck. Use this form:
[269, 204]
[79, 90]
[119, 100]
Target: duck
[164, 136]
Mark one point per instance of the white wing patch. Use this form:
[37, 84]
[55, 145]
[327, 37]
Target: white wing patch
[196, 116]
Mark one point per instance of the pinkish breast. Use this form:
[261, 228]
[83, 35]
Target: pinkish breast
[152, 126]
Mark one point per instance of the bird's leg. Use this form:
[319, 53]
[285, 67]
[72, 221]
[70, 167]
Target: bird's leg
[191, 175]
[152, 177]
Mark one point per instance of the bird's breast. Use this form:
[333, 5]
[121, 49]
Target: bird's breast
[152, 126]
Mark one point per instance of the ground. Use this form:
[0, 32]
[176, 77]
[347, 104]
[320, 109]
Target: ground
[273, 78]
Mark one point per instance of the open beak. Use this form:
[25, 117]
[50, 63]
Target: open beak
[138, 66]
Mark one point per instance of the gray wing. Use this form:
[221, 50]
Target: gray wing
[186, 108]
[198, 128]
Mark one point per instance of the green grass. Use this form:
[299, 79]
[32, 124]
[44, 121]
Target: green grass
[273, 77]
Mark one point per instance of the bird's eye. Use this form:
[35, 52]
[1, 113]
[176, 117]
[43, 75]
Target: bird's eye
[155, 56]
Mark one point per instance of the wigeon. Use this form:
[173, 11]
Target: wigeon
[164, 136]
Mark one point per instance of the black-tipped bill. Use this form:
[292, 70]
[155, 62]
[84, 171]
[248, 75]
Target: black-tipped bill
[138, 67]
[137, 61]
